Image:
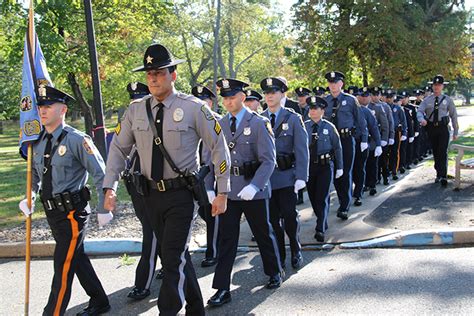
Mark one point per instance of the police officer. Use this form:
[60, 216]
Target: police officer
[343, 111]
[252, 148]
[434, 113]
[400, 125]
[166, 128]
[303, 93]
[252, 100]
[406, 146]
[375, 147]
[324, 148]
[416, 100]
[62, 159]
[291, 172]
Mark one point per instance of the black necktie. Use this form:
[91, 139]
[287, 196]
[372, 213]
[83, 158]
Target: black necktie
[272, 120]
[233, 124]
[334, 111]
[314, 142]
[157, 156]
[47, 186]
[436, 110]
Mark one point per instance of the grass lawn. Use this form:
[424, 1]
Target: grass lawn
[13, 175]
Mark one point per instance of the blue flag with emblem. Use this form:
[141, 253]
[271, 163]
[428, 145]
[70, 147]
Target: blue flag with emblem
[34, 73]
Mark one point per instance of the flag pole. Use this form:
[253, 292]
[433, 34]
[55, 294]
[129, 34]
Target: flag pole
[29, 164]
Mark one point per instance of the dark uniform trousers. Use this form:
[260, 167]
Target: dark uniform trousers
[171, 216]
[383, 164]
[343, 184]
[284, 218]
[425, 145]
[395, 153]
[403, 153]
[257, 214]
[415, 154]
[439, 138]
[68, 229]
[212, 229]
[150, 249]
[371, 169]
[359, 172]
[319, 182]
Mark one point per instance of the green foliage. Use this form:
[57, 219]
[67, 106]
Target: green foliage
[126, 260]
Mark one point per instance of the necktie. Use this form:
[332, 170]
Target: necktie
[233, 125]
[334, 111]
[314, 150]
[272, 120]
[47, 186]
[436, 111]
[157, 156]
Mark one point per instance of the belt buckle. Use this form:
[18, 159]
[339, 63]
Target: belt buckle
[236, 171]
[161, 186]
[157, 141]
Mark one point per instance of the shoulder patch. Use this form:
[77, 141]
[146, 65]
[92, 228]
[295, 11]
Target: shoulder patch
[207, 113]
[117, 129]
[88, 145]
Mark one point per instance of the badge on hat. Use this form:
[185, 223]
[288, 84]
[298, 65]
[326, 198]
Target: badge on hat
[200, 89]
[247, 131]
[42, 91]
[225, 84]
[62, 150]
[333, 74]
[149, 59]
[249, 93]
[134, 86]
[284, 126]
[269, 82]
[178, 115]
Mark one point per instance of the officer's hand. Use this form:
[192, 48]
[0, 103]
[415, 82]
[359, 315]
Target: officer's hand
[24, 207]
[339, 173]
[403, 138]
[416, 134]
[110, 200]
[391, 141]
[411, 139]
[211, 195]
[378, 151]
[423, 122]
[104, 218]
[383, 143]
[363, 146]
[299, 184]
[247, 193]
[219, 205]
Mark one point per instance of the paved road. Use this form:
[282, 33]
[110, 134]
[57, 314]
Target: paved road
[377, 281]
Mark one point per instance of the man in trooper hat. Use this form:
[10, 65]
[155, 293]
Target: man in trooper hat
[166, 128]
[291, 172]
[303, 93]
[434, 113]
[252, 100]
[252, 148]
[62, 159]
[343, 111]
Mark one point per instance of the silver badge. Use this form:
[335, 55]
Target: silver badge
[42, 91]
[301, 89]
[62, 150]
[325, 131]
[249, 92]
[225, 84]
[178, 115]
[199, 89]
[313, 99]
[344, 102]
[269, 82]
[284, 126]
[445, 102]
[333, 74]
[133, 85]
[247, 131]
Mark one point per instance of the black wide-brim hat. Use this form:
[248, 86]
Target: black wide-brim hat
[157, 56]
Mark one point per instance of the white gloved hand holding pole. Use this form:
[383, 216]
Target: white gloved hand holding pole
[24, 207]
[403, 138]
[391, 141]
[247, 193]
[299, 184]
[378, 151]
[416, 134]
[411, 139]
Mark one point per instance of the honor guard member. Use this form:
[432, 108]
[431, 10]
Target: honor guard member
[63, 157]
[415, 102]
[343, 111]
[324, 151]
[252, 148]
[400, 125]
[303, 94]
[319, 91]
[166, 128]
[252, 100]
[375, 152]
[212, 222]
[287, 103]
[434, 113]
[291, 172]
[406, 146]
[375, 146]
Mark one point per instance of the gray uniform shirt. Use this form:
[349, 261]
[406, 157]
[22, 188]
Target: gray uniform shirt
[75, 157]
[391, 124]
[446, 108]
[186, 120]
[382, 120]
[328, 139]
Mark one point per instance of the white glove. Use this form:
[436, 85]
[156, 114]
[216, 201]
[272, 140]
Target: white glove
[416, 134]
[363, 146]
[104, 219]
[299, 184]
[211, 195]
[391, 141]
[24, 207]
[378, 151]
[411, 139]
[383, 143]
[339, 173]
[403, 138]
[247, 193]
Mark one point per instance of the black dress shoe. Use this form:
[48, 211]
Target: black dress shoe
[138, 294]
[319, 236]
[274, 281]
[342, 214]
[415, 162]
[94, 310]
[373, 192]
[357, 202]
[437, 179]
[297, 260]
[395, 177]
[160, 274]
[220, 298]
[385, 181]
[208, 262]
[444, 181]
[408, 167]
[366, 189]
[402, 170]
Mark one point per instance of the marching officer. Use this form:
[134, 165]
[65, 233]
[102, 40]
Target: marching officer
[291, 172]
[166, 129]
[62, 159]
[406, 147]
[417, 126]
[250, 140]
[434, 113]
[303, 94]
[324, 148]
[343, 111]
[252, 100]
[400, 125]
[375, 146]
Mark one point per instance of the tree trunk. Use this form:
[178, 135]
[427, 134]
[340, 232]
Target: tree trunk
[75, 115]
[1, 127]
[85, 107]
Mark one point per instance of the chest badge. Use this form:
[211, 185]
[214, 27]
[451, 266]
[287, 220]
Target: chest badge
[62, 150]
[247, 131]
[344, 102]
[284, 126]
[325, 132]
[445, 102]
[178, 115]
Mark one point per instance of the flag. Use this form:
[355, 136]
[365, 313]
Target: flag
[35, 73]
